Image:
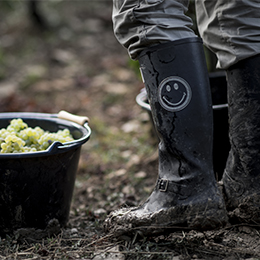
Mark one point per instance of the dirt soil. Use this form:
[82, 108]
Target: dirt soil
[73, 62]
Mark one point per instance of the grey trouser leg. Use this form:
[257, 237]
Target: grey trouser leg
[138, 24]
[230, 28]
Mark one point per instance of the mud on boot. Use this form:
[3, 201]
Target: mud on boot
[241, 179]
[198, 212]
[186, 193]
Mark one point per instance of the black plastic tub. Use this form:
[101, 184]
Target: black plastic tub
[221, 145]
[37, 187]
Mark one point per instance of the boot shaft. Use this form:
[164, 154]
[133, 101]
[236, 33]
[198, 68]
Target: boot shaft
[241, 178]
[244, 113]
[177, 84]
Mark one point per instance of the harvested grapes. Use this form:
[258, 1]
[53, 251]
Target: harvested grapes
[18, 137]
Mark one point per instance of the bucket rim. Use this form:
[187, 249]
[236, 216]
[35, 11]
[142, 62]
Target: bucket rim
[142, 101]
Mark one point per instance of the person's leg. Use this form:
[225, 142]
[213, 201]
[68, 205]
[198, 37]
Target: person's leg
[231, 29]
[176, 80]
[139, 24]
[186, 192]
[238, 51]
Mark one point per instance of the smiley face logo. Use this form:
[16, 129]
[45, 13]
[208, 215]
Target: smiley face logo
[174, 93]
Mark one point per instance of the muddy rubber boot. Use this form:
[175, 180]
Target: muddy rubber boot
[186, 192]
[241, 178]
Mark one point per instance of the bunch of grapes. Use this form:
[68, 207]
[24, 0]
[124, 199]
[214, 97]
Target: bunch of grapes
[19, 138]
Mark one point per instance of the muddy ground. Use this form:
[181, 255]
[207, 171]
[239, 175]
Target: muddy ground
[72, 61]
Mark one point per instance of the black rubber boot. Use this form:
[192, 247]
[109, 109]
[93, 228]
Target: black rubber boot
[186, 192]
[241, 178]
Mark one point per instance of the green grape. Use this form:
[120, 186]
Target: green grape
[17, 125]
[18, 137]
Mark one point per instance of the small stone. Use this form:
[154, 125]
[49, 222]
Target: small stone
[99, 213]
[74, 231]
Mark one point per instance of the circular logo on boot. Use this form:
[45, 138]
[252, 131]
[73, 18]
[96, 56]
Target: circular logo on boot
[174, 93]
